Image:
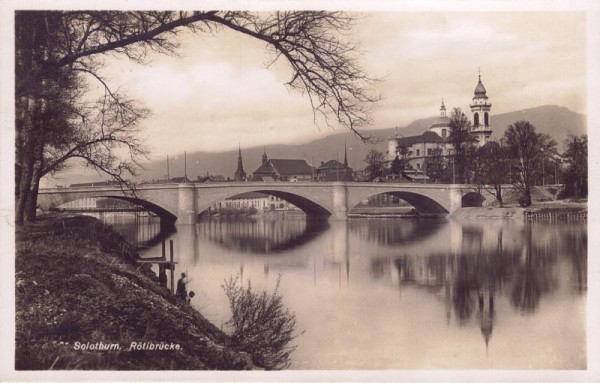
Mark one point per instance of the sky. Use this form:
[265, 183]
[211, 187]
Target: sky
[218, 92]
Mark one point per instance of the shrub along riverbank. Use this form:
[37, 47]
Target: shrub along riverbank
[82, 302]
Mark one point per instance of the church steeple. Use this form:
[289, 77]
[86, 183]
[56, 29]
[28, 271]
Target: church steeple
[265, 159]
[240, 174]
[345, 157]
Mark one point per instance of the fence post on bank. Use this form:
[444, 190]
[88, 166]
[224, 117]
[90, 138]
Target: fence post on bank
[172, 265]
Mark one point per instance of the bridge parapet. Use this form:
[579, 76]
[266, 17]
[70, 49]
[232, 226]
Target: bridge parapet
[334, 199]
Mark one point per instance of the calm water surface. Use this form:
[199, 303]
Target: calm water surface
[399, 293]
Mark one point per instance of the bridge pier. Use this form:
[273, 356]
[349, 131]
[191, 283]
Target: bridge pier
[455, 194]
[186, 208]
[339, 197]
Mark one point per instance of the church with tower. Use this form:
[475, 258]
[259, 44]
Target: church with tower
[434, 142]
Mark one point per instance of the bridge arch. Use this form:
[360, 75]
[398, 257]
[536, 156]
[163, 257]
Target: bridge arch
[304, 203]
[421, 202]
[164, 214]
[472, 199]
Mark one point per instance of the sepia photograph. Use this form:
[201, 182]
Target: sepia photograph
[289, 192]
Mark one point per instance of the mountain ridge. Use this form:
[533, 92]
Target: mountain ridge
[557, 121]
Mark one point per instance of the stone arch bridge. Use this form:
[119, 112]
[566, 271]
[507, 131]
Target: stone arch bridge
[181, 203]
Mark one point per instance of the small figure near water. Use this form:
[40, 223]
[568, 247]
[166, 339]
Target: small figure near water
[188, 299]
[162, 275]
[181, 289]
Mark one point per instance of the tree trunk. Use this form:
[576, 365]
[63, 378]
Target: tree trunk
[27, 157]
[499, 195]
[31, 204]
[24, 189]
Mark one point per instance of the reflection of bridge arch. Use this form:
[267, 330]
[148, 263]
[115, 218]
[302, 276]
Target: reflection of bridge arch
[422, 203]
[260, 236]
[396, 232]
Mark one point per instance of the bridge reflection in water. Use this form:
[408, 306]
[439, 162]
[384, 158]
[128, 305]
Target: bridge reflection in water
[419, 293]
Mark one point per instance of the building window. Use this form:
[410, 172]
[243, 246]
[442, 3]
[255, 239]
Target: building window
[476, 119]
[444, 133]
[486, 119]
[418, 152]
[429, 151]
[419, 166]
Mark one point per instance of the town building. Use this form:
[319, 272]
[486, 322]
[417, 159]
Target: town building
[421, 149]
[282, 170]
[333, 170]
[253, 203]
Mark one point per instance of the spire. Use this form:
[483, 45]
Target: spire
[443, 109]
[345, 157]
[240, 174]
[265, 159]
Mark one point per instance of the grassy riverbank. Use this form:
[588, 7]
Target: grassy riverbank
[77, 283]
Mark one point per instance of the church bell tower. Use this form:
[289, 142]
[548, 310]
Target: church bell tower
[480, 108]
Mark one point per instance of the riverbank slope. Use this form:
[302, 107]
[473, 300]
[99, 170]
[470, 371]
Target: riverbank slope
[78, 286]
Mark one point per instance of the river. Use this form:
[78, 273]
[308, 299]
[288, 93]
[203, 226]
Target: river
[398, 293]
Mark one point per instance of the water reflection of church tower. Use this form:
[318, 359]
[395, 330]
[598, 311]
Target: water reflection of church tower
[486, 314]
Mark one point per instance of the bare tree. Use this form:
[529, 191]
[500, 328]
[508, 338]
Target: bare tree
[316, 45]
[462, 143]
[526, 148]
[262, 325]
[374, 160]
[437, 167]
[491, 168]
[576, 156]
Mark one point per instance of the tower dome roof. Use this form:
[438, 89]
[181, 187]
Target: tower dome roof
[480, 89]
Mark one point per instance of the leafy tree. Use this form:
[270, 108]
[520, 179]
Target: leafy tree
[526, 149]
[397, 166]
[54, 47]
[375, 168]
[576, 156]
[438, 168]
[462, 143]
[491, 168]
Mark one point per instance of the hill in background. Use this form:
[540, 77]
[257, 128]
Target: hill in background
[556, 121]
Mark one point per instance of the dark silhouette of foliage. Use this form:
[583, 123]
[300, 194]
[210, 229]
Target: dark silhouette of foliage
[491, 168]
[526, 149]
[375, 168]
[262, 325]
[462, 142]
[576, 156]
[52, 48]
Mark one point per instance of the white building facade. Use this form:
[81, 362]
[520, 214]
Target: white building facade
[434, 142]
